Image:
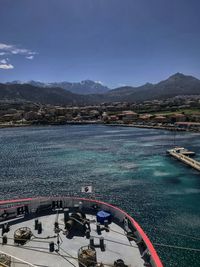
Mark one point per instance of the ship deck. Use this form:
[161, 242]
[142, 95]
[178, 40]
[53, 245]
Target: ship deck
[36, 251]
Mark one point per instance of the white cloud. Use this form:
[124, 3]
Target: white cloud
[14, 50]
[32, 53]
[6, 66]
[30, 57]
[9, 49]
[5, 46]
[19, 51]
[3, 61]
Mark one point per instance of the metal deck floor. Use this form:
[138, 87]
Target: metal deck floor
[36, 251]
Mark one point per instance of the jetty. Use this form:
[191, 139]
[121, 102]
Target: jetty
[183, 155]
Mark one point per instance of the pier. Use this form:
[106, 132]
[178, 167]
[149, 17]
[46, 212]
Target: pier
[176, 153]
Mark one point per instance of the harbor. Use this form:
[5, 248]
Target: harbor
[124, 164]
[183, 155]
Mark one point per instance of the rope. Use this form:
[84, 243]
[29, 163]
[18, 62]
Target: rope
[177, 247]
[117, 242]
[169, 231]
[108, 228]
[32, 240]
[156, 244]
[50, 253]
[67, 259]
[20, 260]
[47, 237]
[70, 257]
[106, 264]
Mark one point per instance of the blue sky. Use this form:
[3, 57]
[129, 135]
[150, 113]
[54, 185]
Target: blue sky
[116, 42]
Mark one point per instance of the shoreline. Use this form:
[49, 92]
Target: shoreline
[158, 127]
[167, 128]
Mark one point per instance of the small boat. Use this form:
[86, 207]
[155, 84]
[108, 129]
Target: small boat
[182, 150]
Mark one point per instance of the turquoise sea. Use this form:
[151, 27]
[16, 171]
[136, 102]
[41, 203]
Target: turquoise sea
[127, 167]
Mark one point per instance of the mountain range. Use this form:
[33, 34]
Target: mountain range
[89, 92]
[84, 87]
[176, 85]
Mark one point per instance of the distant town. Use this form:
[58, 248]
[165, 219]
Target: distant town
[178, 113]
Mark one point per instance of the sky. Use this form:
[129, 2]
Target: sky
[115, 42]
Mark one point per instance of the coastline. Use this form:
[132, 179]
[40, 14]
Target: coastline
[158, 127]
[151, 127]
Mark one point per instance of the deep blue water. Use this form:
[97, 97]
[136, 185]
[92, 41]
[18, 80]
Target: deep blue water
[127, 167]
